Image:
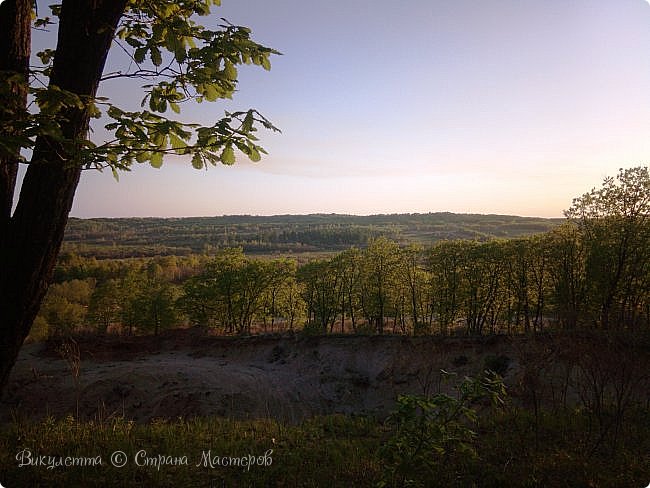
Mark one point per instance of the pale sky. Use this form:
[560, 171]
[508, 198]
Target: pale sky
[473, 106]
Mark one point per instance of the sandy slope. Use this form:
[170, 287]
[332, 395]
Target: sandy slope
[290, 378]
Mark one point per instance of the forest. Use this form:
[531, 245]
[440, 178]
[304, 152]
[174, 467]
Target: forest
[591, 271]
[283, 234]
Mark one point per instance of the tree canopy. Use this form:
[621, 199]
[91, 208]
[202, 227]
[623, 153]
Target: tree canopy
[177, 60]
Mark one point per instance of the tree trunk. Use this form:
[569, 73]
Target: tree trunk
[15, 49]
[352, 317]
[31, 243]
[414, 305]
[380, 319]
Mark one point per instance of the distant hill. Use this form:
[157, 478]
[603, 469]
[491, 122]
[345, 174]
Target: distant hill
[284, 234]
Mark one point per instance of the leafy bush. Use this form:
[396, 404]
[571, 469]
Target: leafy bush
[366, 329]
[312, 329]
[430, 430]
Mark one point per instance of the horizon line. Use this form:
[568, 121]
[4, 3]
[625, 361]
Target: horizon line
[317, 214]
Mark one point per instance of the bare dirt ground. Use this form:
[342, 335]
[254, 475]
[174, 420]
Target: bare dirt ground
[186, 373]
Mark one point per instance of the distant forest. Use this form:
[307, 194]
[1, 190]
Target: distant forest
[284, 234]
[411, 273]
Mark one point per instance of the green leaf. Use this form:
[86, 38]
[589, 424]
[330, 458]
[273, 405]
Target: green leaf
[208, 62]
[158, 139]
[46, 55]
[156, 57]
[158, 31]
[197, 161]
[156, 159]
[176, 142]
[133, 42]
[139, 54]
[254, 155]
[247, 125]
[180, 54]
[230, 71]
[211, 94]
[115, 112]
[153, 102]
[93, 111]
[228, 155]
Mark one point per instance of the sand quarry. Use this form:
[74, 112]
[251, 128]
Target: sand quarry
[187, 373]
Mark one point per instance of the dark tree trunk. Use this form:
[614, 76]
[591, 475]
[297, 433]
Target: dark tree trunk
[352, 317]
[31, 243]
[15, 49]
[414, 305]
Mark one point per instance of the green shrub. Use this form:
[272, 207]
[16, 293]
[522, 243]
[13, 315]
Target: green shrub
[430, 430]
[312, 329]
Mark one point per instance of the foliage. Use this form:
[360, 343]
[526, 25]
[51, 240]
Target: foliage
[154, 306]
[324, 451]
[614, 226]
[380, 266]
[295, 234]
[321, 282]
[312, 329]
[65, 306]
[446, 262]
[178, 61]
[556, 279]
[104, 305]
[330, 451]
[483, 283]
[430, 430]
[233, 291]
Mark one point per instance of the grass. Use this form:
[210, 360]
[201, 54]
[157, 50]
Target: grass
[329, 451]
[559, 450]
[513, 447]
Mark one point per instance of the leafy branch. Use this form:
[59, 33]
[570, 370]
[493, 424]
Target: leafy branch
[181, 61]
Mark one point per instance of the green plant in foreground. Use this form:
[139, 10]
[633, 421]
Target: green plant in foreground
[333, 451]
[429, 430]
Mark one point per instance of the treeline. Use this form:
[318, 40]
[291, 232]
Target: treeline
[593, 271]
[124, 238]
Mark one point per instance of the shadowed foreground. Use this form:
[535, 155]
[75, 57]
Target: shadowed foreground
[576, 412]
[184, 374]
